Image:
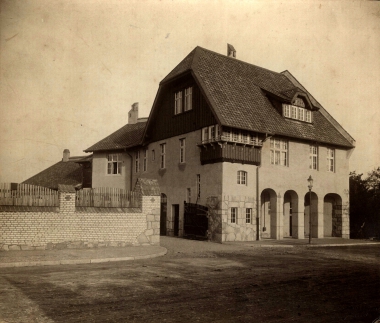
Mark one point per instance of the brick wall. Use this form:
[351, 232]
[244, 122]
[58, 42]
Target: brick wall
[83, 228]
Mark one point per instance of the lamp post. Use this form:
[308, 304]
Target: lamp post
[310, 186]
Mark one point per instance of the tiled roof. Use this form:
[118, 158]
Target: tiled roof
[68, 173]
[235, 90]
[128, 136]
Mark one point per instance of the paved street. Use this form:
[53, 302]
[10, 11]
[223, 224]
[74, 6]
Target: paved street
[202, 282]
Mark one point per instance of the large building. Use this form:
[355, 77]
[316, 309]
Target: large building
[232, 146]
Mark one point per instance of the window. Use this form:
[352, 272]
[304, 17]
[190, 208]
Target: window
[137, 161]
[296, 112]
[153, 155]
[330, 160]
[235, 135]
[188, 98]
[189, 195]
[198, 186]
[212, 133]
[182, 156]
[234, 213]
[145, 163]
[301, 114]
[178, 102]
[278, 152]
[248, 215]
[286, 110]
[205, 134]
[113, 164]
[242, 177]
[313, 157]
[163, 149]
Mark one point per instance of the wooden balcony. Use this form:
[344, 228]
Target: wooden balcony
[216, 152]
[227, 139]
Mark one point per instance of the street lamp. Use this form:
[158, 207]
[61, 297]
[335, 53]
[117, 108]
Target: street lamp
[310, 186]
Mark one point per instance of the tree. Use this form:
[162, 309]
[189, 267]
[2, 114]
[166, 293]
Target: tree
[365, 205]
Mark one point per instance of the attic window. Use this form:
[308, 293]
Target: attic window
[183, 100]
[297, 111]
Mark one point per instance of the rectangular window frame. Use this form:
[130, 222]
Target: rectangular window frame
[188, 99]
[114, 164]
[279, 152]
[242, 177]
[163, 156]
[137, 161]
[198, 186]
[313, 157]
[330, 160]
[145, 161]
[233, 215]
[178, 102]
[248, 216]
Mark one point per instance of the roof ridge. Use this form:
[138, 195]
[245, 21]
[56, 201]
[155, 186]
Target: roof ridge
[241, 61]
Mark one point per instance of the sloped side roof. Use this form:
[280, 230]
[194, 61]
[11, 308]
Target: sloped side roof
[235, 90]
[67, 173]
[128, 136]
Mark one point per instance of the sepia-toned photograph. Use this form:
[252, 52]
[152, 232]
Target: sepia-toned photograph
[189, 161]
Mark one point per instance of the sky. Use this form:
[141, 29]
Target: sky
[70, 70]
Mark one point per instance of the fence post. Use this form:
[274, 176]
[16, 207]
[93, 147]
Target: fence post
[66, 198]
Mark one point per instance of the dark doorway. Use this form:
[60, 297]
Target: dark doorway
[195, 221]
[176, 219]
[163, 214]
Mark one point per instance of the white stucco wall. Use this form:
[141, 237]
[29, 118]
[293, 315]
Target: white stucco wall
[100, 178]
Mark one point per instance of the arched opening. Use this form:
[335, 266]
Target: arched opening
[314, 214]
[332, 215]
[163, 214]
[268, 213]
[290, 213]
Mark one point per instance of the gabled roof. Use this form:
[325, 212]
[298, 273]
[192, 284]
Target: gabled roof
[127, 136]
[237, 93]
[67, 173]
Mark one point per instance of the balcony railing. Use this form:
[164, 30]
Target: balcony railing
[240, 140]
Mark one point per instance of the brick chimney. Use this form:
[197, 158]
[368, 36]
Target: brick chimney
[231, 52]
[66, 155]
[133, 114]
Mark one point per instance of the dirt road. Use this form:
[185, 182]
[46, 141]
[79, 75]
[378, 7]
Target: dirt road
[202, 282]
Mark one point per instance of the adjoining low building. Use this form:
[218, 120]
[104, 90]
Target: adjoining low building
[231, 145]
[76, 171]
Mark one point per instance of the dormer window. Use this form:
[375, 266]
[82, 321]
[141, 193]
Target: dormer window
[297, 111]
[183, 100]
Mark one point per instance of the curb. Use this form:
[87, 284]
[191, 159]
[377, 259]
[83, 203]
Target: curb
[78, 261]
[310, 245]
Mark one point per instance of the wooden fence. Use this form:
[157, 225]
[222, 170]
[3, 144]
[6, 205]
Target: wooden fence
[27, 195]
[106, 197]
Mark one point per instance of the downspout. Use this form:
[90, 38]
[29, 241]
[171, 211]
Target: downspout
[131, 188]
[257, 204]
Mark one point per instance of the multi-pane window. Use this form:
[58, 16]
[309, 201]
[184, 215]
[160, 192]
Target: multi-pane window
[198, 186]
[114, 164]
[205, 134]
[137, 161]
[287, 110]
[278, 152]
[330, 160]
[248, 215]
[242, 177]
[212, 133]
[145, 162]
[189, 195]
[296, 112]
[163, 152]
[178, 102]
[234, 214]
[188, 98]
[313, 157]
[182, 150]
